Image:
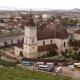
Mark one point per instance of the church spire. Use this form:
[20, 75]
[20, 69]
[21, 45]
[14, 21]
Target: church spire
[30, 21]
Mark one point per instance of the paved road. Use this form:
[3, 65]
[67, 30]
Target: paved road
[77, 75]
[74, 74]
[68, 72]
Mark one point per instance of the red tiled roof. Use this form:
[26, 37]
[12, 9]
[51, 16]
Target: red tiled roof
[77, 31]
[48, 34]
[47, 47]
[45, 34]
[61, 34]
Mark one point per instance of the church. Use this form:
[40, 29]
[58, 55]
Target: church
[37, 43]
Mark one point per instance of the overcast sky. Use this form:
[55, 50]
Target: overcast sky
[39, 4]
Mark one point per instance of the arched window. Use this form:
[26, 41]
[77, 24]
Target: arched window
[11, 41]
[43, 42]
[21, 54]
[5, 43]
[51, 41]
[18, 41]
[64, 44]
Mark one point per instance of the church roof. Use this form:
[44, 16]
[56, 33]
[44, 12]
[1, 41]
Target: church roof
[63, 34]
[45, 34]
[49, 34]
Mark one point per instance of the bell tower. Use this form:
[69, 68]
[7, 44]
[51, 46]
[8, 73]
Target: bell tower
[30, 39]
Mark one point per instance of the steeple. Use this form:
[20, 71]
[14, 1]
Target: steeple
[30, 21]
[30, 38]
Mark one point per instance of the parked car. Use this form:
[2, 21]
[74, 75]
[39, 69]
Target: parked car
[39, 63]
[77, 65]
[71, 67]
[45, 68]
[58, 69]
[27, 63]
[42, 67]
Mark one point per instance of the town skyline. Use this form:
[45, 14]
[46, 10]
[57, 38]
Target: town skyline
[38, 4]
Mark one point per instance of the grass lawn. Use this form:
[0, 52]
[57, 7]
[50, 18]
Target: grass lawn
[7, 64]
[7, 73]
[11, 72]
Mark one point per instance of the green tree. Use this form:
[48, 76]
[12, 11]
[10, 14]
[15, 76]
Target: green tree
[52, 53]
[64, 21]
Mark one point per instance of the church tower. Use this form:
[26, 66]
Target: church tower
[30, 39]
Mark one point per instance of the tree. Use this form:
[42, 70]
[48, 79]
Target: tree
[64, 21]
[43, 56]
[76, 56]
[52, 53]
[52, 18]
[58, 17]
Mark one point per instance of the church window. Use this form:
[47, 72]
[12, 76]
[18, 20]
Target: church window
[21, 54]
[33, 47]
[18, 41]
[5, 43]
[64, 44]
[51, 41]
[43, 42]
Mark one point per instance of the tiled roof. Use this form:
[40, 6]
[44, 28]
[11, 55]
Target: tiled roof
[61, 34]
[45, 34]
[77, 31]
[48, 34]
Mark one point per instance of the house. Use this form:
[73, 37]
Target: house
[77, 34]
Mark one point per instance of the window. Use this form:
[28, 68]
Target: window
[33, 47]
[51, 41]
[11, 41]
[5, 43]
[43, 42]
[18, 41]
[21, 54]
[64, 44]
